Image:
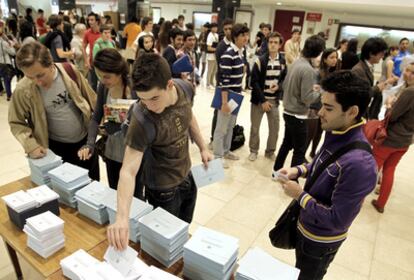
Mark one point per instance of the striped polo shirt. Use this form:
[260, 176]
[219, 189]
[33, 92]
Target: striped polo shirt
[231, 69]
[273, 72]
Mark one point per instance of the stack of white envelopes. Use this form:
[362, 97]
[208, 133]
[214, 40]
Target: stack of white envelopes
[91, 201]
[163, 236]
[40, 167]
[45, 233]
[138, 209]
[66, 180]
[256, 264]
[210, 255]
[20, 201]
[118, 265]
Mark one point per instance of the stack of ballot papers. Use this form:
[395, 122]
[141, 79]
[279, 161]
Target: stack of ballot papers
[40, 167]
[119, 265]
[163, 236]
[154, 273]
[66, 180]
[210, 255]
[259, 265]
[20, 201]
[45, 233]
[138, 209]
[91, 201]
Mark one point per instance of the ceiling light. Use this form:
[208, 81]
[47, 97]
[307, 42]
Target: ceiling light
[279, 3]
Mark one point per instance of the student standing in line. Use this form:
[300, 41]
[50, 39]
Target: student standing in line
[105, 41]
[172, 52]
[91, 35]
[403, 52]
[51, 108]
[57, 42]
[292, 48]
[212, 42]
[269, 72]
[167, 152]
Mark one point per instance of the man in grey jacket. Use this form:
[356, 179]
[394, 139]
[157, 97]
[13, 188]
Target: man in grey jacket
[298, 95]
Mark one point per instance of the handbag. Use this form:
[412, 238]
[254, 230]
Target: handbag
[376, 131]
[283, 235]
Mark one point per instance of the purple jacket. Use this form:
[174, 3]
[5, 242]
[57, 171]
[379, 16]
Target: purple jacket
[335, 199]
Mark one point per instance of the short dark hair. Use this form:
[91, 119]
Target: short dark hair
[174, 33]
[180, 17]
[104, 27]
[268, 26]
[145, 21]
[295, 31]
[261, 25]
[404, 39]
[276, 34]
[40, 11]
[150, 71]
[349, 90]
[313, 47]
[227, 21]
[29, 11]
[54, 21]
[188, 33]
[353, 45]
[174, 21]
[373, 46]
[189, 26]
[26, 29]
[206, 25]
[213, 24]
[238, 29]
[133, 19]
[92, 14]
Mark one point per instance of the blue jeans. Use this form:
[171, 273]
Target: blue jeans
[223, 133]
[7, 82]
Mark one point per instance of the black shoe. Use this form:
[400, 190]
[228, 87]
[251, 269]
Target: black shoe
[379, 209]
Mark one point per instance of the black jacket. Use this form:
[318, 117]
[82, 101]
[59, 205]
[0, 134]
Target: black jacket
[258, 78]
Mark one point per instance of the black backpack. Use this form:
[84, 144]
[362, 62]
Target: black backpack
[238, 139]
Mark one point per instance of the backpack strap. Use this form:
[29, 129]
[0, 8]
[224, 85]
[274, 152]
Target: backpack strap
[71, 73]
[357, 145]
[187, 87]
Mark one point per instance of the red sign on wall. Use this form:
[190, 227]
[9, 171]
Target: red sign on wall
[313, 17]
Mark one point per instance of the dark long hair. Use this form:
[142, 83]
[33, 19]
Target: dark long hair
[325, 69]
[111, 61]
[141, 42]
[164, 35]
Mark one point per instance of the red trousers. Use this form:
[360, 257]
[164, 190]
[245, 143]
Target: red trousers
[387, 159]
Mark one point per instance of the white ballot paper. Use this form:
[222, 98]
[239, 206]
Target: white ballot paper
[121, 260]
[233, 105]
[206, 176]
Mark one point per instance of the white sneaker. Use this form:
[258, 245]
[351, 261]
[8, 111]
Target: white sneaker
[252, 156]
[270, 156]
[231, 156]
[225, 164]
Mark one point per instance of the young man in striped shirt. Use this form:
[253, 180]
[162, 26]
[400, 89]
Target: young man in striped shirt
[268, 74]
[231, 76]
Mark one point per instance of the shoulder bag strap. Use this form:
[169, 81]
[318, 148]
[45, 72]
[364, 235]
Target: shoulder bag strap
[336, 155]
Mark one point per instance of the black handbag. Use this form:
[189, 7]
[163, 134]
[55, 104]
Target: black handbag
[283, 235]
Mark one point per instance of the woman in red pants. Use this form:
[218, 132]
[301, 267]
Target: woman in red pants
[400, 136]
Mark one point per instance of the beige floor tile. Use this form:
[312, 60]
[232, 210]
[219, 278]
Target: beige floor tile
[225, 190]
[206, 208]
[7, 273]
[394, 251]
[250, 212]
[245, 235]
[365, 225]
[397, 225]
[356, 254]
[384, 271]
[337, 272]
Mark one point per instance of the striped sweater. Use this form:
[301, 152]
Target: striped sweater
[232, 69]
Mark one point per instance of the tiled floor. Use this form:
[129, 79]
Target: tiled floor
[247, 203]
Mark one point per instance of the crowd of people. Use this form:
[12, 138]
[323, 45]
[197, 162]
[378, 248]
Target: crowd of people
[70, 69]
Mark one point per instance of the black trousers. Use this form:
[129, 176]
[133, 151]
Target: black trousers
[375, 107]
[69, 153]
[296, 132]
[313, 260]
[213, 124]
[179, 200]
[314, 135]
[112, 170]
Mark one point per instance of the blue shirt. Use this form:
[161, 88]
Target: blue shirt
[397, 62]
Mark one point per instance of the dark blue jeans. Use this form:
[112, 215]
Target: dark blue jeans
[312, 259]
[295, 137]
[179, 200]
[7, 82]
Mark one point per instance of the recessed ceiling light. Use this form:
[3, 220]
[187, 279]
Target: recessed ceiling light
[279, 3]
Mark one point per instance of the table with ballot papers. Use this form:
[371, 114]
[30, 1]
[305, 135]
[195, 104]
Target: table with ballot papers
[118, 265]
[66, 180]
[25, 204]
[256, 264]
[163, 236]
[39, 168]
[210, 255]
[91, 201]
[138, 209]
[45, 233]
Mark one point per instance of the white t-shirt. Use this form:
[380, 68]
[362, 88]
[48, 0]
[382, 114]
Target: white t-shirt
[211, 38]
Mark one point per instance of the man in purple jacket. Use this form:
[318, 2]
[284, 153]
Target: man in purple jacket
[336, 197]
